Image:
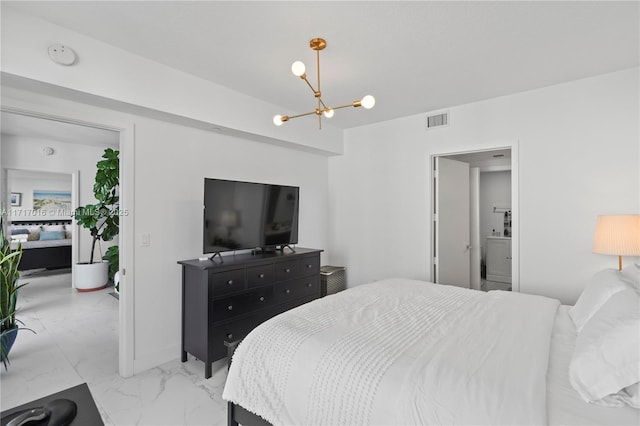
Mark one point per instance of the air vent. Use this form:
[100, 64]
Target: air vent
[438, 120]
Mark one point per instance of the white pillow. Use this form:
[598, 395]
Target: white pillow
[600, 288]
[631, 274]
[34, 233]
[605, 366]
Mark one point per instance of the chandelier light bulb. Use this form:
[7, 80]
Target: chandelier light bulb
[368, 102]
[298, 68]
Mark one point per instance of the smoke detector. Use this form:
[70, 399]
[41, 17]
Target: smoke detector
[61, 54]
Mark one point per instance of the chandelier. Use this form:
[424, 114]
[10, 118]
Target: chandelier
[298, 69]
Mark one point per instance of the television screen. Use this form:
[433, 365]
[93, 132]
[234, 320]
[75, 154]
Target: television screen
[246, 215]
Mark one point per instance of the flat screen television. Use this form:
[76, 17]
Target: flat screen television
[246, 215]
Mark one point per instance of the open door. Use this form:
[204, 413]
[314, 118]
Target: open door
[451, 223]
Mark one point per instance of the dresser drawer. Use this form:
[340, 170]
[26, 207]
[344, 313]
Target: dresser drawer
[295, 289]
[286, 270]
[227, 282]
[232, 331]
[258, 276]
[309, 266]
[241, 304]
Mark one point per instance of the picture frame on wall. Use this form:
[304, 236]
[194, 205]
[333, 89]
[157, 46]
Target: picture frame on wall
[46, 199]
[16, 199]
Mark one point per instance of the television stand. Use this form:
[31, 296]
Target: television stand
[273, 249]
[223, 302]
[217, 254]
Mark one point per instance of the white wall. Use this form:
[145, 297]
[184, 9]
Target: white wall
[170, 163]
[578, 155]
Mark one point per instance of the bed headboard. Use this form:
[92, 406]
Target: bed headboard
[41, 222]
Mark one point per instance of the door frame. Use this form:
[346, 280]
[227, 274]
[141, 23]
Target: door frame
[125, 129]
[515, 200]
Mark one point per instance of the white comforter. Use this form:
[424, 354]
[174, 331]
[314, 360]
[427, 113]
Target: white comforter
[399, 352]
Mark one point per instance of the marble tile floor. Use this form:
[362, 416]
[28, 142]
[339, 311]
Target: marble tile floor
[76, 341]
[494, 285]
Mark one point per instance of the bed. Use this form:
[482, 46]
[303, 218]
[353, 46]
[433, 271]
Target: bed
[45, 244]
[411, 352]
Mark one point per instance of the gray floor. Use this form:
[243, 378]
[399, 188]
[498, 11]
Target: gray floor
[76, 341]
[493, 285]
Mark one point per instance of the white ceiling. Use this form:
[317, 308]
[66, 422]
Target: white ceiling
[413, 57]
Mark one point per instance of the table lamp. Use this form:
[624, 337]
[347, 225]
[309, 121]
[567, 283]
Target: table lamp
[618, 235]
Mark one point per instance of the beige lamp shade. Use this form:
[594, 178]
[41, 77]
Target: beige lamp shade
[618, 235]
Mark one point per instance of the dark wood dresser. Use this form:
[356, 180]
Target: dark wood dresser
[224, 301]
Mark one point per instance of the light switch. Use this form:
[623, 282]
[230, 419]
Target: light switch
[145, 240]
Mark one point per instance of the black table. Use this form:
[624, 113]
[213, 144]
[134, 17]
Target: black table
[87, 411]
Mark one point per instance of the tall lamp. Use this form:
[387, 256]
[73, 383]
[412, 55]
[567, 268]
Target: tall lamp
[618, 235]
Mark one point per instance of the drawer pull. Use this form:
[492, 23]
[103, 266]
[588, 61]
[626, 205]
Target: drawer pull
[229, 336]
[261, 276]
[309, 266]
[287, 291]
[262, 299]
[309, 285]
[230, 282]
[287, 270]
[230, 307]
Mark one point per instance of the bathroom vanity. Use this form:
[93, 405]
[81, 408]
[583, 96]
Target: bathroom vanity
[499, 259]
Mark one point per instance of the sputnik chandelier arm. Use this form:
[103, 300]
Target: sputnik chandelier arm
[298, 69]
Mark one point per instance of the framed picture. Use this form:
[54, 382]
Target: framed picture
[60, 200]
[16, 199]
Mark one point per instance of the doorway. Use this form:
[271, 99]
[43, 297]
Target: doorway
[31, 125]
[475, 218]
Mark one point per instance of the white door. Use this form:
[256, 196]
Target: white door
[451, 223]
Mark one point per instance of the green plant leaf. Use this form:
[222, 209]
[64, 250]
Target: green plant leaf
[112, 255]
[101, 218]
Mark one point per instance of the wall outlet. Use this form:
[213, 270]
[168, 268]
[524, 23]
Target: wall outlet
[145, 240]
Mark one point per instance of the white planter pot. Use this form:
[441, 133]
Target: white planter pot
[91, 276]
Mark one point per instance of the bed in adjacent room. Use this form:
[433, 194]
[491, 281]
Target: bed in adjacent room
[410, 352]
[45, 244]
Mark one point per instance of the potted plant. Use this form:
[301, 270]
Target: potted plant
[9, 287]
[113, 257]
[101, 219]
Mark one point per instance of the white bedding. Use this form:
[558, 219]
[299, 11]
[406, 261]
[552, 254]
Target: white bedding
[564, 405]
[390, 352]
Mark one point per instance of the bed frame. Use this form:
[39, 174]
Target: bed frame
[236, 414]
[45, 257]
